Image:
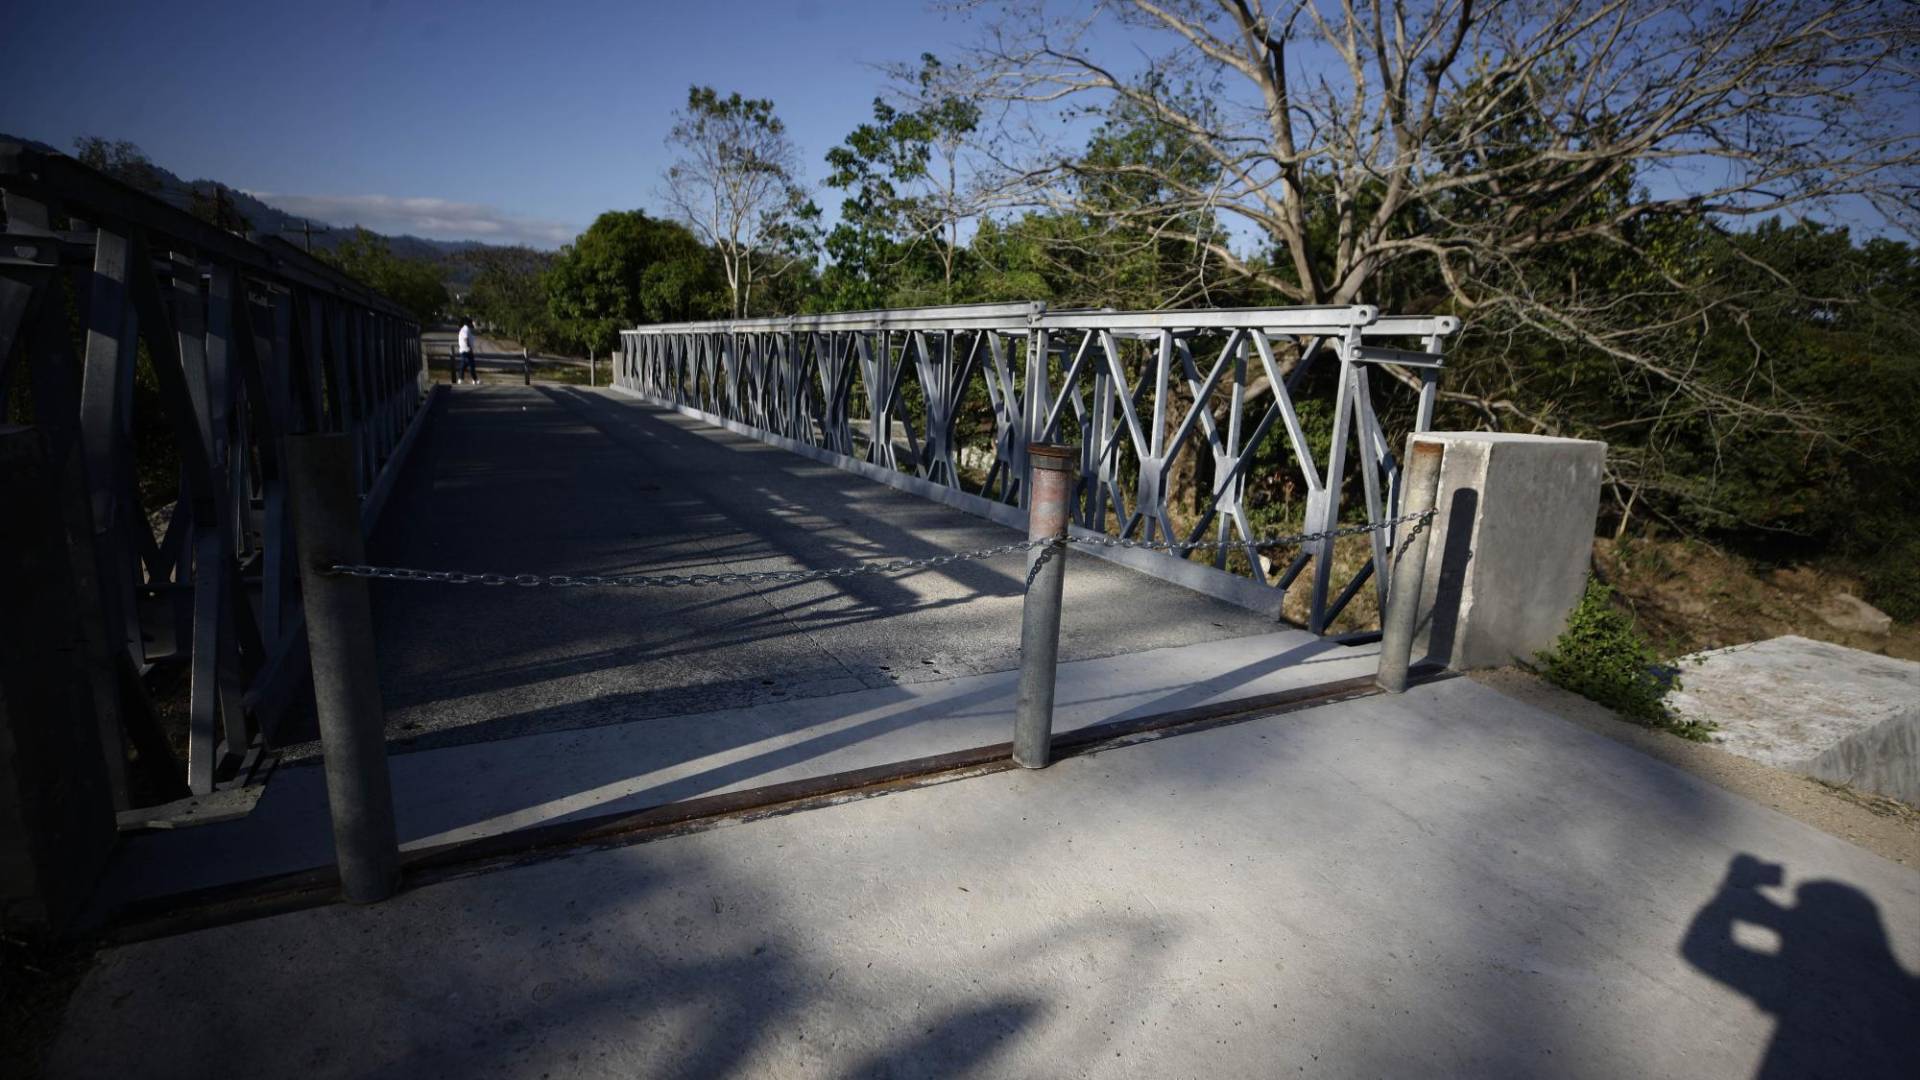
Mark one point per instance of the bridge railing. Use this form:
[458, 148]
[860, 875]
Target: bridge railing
[523, 362]
[168, 359]
[1236, 403]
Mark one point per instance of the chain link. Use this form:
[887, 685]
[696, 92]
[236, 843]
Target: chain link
[896, 566]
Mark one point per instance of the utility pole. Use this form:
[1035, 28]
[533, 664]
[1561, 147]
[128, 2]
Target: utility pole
[306, 228]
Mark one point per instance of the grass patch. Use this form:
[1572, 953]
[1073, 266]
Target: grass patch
[1602, 657]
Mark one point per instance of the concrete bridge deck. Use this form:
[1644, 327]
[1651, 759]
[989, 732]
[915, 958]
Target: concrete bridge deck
[557, 479]
[491, 690]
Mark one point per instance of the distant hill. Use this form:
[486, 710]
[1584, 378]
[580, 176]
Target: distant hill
[264, 218]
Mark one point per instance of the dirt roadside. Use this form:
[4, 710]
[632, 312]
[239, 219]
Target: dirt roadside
[1687, 596]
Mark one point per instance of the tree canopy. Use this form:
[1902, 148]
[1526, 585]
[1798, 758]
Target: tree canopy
[417, 286]
[629, 268]
[737, 184]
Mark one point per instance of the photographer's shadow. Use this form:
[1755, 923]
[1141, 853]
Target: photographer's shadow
[1844, 1006]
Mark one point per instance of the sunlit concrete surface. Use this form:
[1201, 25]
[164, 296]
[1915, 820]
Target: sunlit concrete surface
[567, 480]
[1444, 883]
[470, 790]
[1811, 707]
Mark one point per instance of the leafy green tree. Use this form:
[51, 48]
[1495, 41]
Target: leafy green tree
[418, 286]
[629, 268]
[509, 294]
[120, 159]
[907, 199]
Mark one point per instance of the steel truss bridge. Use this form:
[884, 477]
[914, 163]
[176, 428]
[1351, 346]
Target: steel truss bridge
[160, 362]
[1141, 394]
[152, 365]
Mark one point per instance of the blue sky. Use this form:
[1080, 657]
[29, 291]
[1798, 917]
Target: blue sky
[509, 122]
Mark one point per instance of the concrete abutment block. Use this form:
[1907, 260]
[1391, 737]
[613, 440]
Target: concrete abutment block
[1512, 546]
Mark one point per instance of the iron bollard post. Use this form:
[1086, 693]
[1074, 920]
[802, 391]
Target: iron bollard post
[346, 691]
[1408, 566]
[1047, 505]
[526, 366]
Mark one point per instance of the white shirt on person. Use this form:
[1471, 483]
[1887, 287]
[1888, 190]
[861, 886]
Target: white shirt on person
[466, 339]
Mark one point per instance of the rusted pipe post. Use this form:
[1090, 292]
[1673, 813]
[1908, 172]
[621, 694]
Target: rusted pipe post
[1052, 491]
[346, 690]
[1408, 566]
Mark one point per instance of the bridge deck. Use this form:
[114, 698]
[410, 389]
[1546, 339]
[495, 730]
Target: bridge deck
[554, 479]
[698, 691]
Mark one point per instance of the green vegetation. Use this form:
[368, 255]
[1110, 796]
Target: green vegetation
[737, 184]
[416, 286]
[1893, 579]
[1602, 657]
[628, 269]
[509, 294]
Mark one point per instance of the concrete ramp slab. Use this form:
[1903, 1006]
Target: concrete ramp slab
[1811, 707]
[1447, 883]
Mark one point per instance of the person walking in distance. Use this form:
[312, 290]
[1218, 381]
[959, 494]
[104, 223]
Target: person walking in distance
[463, 353]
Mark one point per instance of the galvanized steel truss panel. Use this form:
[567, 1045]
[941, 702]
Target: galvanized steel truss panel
[247, 342]
[1143, 393]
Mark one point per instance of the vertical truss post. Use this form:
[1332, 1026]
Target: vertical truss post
[1033, 421]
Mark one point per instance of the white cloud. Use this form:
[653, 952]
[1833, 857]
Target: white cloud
[438, 219]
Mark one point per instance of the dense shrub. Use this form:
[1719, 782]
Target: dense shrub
[1602, 657]
[1893, 581]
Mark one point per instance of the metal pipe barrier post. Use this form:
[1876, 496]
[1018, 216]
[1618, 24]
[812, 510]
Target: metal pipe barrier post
[346, 691]
[526, 366]
[1047, 512]
[1408, 566]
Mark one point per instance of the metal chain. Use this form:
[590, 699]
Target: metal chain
[757, 577]
[1045, 554]
[1406, 543]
